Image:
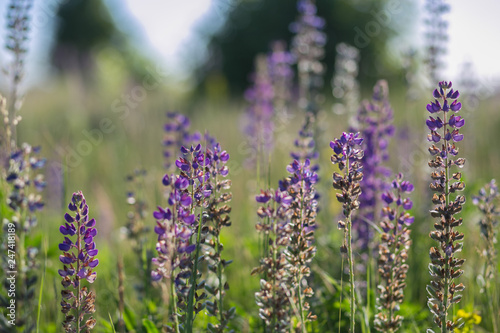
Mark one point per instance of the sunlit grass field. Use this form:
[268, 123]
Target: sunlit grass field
[93, 138]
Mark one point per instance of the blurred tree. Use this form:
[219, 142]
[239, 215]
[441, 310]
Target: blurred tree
[84, 27]
[252, 25]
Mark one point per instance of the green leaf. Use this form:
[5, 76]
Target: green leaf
[130, 319]
[149, 326]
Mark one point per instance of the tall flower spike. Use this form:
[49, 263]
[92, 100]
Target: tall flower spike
[25, 184]
[347, 154]
[217, 218]
[301, 249]
[393, 252]
[345, 87]
[435, 36]
[308, 49]
[281, 73]
[18, 28]
[79, 261]
[260, 112]
[444, 126]
[375, 119]
[273, 298]
[177, 135]
[136, 230]
[173, 264]
[487, 201]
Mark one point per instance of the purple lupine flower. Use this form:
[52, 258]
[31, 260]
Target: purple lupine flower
[393, 252]
[217, 217]
[375, 119]
[435, 36]
[486, 202]
[347, 154]
[79, 261]
[280, 63]
[345, 87]
[308, 50]
[180, 224]
[18, 29]
[445, 267]
[273, 297]
[177, 134]
[24, 184]
[300, 185]
[260, 112]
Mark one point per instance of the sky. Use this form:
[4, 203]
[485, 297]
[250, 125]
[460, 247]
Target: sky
[165, 28]
[474, 30]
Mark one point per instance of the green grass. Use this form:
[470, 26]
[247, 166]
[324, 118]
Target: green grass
[57, 117]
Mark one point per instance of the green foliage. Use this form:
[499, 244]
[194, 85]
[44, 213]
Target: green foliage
[241, 38]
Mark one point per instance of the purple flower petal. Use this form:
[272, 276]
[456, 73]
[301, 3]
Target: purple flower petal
[189, 219]
[64, 247]
[63, 230]
[90, 223]
[94, 263]
[458, 137]
[65, 260]
[455, 106]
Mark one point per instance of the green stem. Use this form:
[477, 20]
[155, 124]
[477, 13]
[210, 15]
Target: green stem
[351, 273]
[394, 250]
[275, 250]
[299, 277]
[351, 264]
[192, 290]
[188, 325]
[78, 291]
[219, 266]
[446, 285]
[341, 290]
[174, 302]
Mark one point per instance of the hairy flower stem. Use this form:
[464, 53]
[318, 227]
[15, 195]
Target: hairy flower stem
[78, 290]
[351, 264]
[351, 273]
[299, 277]
[446, 269]
[174, 301]
[192, 290]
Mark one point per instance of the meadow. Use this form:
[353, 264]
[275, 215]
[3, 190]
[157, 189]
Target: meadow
[288, 209]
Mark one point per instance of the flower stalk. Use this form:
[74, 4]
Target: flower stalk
[347, 155]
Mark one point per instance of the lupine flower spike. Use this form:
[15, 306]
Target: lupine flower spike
[136, 230]
[176, 135]
[260, 113]
[217, 218]
[18, 28]
[375, 119]
[300, 185]
[273, 298]
[308, 49]
[347, 154]
[444, 127]
[393, 252]
[25, 201]
[289, 218]
[345, 86]
[435, 36]
[487, 201]
[79, 261]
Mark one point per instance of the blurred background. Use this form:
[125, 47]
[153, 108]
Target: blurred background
[101, 75]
